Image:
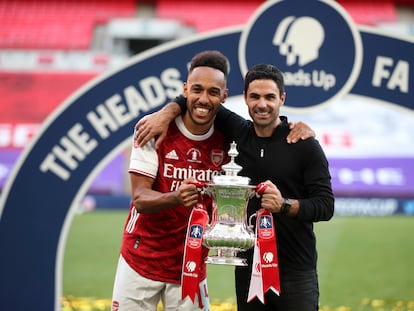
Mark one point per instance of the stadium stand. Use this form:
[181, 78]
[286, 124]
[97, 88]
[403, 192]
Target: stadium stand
[66, 24]
[29, 97]
[371, 12]
[215, 14]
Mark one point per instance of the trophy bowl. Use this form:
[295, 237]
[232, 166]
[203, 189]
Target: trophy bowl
[228, 232]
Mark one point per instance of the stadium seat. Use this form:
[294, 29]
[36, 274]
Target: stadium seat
[371, 12]
[66, 24]
[215, 13]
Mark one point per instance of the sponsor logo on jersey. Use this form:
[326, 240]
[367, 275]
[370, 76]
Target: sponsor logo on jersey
[181, 173]
[172, 155]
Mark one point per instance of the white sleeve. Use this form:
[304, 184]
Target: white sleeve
[144, 160]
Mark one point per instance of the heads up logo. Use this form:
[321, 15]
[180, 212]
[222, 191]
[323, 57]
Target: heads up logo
[289, 38]
[301, 39]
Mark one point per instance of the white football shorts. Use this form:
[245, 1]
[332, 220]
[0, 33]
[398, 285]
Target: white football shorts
[133, 292]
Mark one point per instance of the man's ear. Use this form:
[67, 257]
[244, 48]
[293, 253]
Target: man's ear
[283, 98]
[225, 96]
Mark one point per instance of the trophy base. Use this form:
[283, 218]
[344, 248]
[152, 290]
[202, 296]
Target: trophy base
[231, 261]
[226, 257]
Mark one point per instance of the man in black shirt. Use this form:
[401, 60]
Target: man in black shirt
[298, 195]
[298, 190]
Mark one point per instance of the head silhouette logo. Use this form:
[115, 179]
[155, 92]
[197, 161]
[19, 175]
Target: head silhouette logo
[299, 40]
[289, 38]
[191, 266]
[268, 257]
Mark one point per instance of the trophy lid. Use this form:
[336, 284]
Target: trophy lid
[231, 170]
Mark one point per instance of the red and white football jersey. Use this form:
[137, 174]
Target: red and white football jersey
[153, 244]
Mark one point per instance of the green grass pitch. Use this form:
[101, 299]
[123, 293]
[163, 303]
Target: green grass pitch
[365, 263]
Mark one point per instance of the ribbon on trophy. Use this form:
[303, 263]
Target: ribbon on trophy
[265, 268]
[193, 251]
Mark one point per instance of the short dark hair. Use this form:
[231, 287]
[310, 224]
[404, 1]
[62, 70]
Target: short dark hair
[265, 72]
[213, 59]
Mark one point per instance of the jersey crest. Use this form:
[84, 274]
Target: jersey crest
[217, 157]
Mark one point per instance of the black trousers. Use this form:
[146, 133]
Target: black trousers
[299, 292]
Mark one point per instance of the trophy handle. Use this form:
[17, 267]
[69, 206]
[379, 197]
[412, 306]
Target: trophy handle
[203, 189]
[250, 225]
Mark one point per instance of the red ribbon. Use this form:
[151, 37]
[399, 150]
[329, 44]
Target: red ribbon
[193, 261]
[265, 270]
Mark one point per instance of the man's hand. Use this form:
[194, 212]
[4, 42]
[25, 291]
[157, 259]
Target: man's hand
[272, 199]
[188, 193]
[151, 126]
[299, 130]
[156, 125]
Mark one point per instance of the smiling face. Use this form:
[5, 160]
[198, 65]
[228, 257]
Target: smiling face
[263, 100]
[205, 91]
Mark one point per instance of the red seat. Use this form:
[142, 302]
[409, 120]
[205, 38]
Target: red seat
[371, 12]
[208, 15]
[218, 14]
[66, 24]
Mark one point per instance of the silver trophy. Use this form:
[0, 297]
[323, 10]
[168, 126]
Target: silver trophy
[228, 231]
